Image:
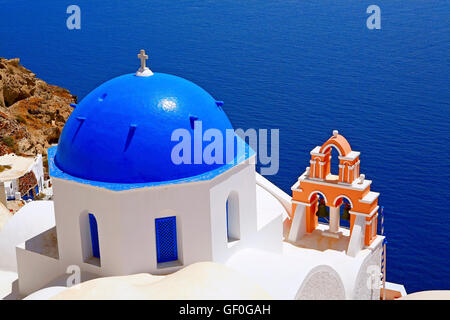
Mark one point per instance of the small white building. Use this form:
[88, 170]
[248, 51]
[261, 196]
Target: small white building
[123, 205]
[20, 177]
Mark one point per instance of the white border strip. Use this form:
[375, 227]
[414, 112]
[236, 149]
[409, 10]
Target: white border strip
[365, 214]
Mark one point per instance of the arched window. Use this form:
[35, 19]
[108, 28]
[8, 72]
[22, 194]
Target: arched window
[90, 244]
[233, 221]
[94, 236]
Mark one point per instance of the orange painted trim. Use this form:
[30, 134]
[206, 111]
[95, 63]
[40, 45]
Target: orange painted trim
[312, 220]
[367, 235]
[340, 142]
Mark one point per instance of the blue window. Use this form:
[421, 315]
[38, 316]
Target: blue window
[166, 239]
[94, 236]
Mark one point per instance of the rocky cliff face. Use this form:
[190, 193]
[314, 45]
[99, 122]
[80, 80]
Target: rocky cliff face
[32, 112]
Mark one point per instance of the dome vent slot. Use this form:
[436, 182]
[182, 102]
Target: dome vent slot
[103, 97]
[219, 104]
[81, 121]
[130, 136]
[192, 120]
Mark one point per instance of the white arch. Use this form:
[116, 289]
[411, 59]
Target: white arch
[332, 145]
[314, 192]
[342, 196]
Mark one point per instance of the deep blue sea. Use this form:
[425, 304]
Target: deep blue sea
[305, 67]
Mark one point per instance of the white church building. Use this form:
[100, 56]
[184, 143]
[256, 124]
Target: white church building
[122, 206]
[20, 177]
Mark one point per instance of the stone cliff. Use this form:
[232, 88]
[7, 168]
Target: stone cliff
[32, 112]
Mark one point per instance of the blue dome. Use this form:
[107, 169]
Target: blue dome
[121, 132]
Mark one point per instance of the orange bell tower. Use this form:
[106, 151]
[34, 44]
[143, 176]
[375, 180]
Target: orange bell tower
[318, 182]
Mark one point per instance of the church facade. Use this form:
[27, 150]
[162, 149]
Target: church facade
[122, 206]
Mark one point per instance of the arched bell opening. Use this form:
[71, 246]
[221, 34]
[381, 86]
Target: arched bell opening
[322, 210]
[332, 168]
[344, 213]
[312, 218]
[344, 206]
[334, 163]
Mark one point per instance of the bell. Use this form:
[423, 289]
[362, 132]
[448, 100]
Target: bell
[322, 211]
[346, 212]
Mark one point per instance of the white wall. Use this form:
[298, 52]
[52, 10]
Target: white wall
[126, 221]
[138, 210]
[241, 181]
[365, 288]
[36, 270]
[73, 203]
[298, 227]
[32, 219]
[357, 238]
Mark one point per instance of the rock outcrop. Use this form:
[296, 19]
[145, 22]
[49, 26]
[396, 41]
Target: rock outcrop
[32, 112]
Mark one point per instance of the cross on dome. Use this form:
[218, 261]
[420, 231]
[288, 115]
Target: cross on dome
[143, 71]
[143, 57]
